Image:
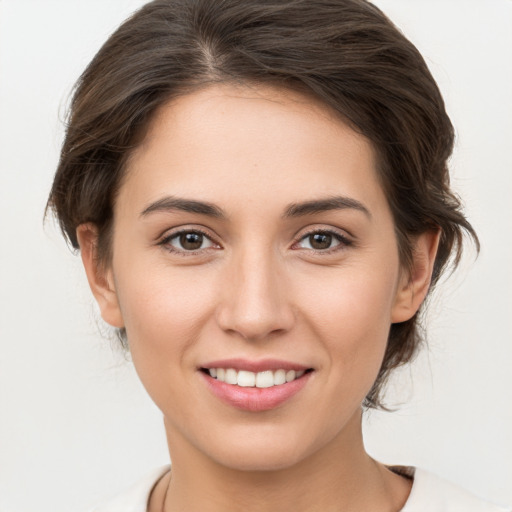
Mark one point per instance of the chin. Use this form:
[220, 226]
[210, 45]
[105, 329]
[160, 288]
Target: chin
[263, 451]
[255, 459]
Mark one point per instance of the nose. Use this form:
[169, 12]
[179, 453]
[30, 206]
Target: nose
[254, 302]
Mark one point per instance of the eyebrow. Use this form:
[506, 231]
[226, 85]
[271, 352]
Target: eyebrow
[167, 204]
[322, 205]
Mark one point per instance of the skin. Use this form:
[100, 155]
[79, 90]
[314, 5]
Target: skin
[258, 289]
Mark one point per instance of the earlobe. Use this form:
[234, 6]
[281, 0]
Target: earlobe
[100, 279]
[414, 285]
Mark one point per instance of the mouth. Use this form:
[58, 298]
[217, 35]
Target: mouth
[248, 379]
[255, 386]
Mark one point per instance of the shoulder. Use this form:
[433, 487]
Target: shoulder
[431, 493]
[134, 499]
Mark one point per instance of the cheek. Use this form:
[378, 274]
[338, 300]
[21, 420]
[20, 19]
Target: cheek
[350, 311]
[164, 309]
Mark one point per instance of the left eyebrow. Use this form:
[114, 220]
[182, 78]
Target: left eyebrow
[322, 205]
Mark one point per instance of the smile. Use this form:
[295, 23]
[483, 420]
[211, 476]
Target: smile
[248, 379]
[255, 386]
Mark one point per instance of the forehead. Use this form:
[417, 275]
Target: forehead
[227, 141]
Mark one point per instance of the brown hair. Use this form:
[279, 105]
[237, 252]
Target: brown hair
[346, 53]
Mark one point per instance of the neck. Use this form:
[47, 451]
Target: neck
[340, 476]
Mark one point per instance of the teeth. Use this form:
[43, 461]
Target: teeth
[245, 379]
[231, 376]
[279, 377]
[265, 379]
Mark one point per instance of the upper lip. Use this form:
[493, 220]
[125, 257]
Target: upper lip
[255, 366]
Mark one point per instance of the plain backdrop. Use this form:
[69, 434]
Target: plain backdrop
[75, 424]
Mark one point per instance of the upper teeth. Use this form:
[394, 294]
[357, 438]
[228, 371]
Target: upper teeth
[247, 379]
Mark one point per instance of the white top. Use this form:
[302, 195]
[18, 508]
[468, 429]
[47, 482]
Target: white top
[429, 494]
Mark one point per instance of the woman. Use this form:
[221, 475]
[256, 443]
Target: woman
[260, 197]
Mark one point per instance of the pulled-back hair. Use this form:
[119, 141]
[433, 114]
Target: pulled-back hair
[346, 53]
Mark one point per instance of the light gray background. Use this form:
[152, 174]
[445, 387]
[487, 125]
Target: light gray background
[75, 424]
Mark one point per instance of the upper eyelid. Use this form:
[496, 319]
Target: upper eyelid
[196, 231]
[342, 233]
[322, 230]
[173, 232]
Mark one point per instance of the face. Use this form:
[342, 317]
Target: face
[256, 271]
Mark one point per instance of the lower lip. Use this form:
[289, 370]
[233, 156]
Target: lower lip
[255, 399]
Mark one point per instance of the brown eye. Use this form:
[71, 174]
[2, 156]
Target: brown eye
[189, 241]
[322, 241]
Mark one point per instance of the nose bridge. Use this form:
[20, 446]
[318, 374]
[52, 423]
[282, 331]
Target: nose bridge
[255, 302]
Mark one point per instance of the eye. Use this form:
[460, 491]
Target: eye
[322, 241]
[188, 241]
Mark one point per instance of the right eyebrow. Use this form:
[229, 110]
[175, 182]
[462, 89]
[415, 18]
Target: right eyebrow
[170, 203]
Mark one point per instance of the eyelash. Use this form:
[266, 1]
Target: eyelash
[343, 241]
[166, 242]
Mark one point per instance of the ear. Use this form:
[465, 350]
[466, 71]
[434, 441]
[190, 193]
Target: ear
[414, 284]
[100, 278]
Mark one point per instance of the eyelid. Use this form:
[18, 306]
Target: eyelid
[344, 240]
[164, 239]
